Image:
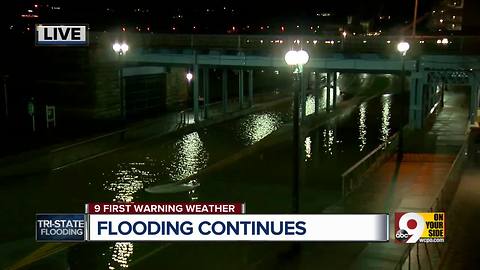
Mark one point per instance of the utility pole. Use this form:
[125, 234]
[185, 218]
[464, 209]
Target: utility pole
[414, 27]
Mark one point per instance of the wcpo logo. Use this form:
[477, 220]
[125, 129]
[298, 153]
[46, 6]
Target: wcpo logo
[61, 34]
[420, 227]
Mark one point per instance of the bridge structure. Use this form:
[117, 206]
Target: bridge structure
[431, 64]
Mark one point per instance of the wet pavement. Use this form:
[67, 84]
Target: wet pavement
[462, 240]
[410, 185]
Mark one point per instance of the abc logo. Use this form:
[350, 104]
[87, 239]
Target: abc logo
[402, 235]
[409, 227]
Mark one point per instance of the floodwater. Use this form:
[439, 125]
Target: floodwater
[263, 180]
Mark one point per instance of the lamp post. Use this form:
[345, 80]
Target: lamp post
[402, 47]
[296, 59]
[5, 95]
[121, 50]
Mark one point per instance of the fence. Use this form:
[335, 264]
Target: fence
[442, 203]
[354, 176]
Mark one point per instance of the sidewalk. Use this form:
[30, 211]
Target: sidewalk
[14, 141]
[463, 217]
[56, 155]
[410, 185]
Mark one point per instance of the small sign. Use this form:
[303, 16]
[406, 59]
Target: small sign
[61, 34]
[420, 227]
[60, 227]
[50, 113]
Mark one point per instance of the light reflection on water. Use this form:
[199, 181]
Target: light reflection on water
[121, 252]
[386, 115]
[129, 179]
[362, 126]
[258, 126]
[310, 105]
[308, 148]
[190, 156]
[328, 140]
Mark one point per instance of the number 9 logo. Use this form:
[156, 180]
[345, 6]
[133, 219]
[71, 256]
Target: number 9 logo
[413, 224]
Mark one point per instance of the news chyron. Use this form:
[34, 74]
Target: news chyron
[61, 35]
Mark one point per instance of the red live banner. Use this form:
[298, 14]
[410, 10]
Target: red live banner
[165, 208]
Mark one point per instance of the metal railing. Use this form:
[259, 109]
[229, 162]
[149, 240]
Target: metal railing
[442, 203]
[354, 176]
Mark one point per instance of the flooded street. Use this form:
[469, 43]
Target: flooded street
[263, 180]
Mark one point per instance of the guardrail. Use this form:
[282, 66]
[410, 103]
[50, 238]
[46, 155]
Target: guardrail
[354, 176]
[442, 203]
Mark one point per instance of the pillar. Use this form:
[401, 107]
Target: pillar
[328, 88]
[240, 88]
[415, 117]
[225, 90]
[474, 85]
[206, 91]
[121, 86]
[334, 92]
[303, 87]
[316, 89]
[195, 94]
[250, 87]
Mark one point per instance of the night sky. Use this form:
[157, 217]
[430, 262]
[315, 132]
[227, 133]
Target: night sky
[250, 8]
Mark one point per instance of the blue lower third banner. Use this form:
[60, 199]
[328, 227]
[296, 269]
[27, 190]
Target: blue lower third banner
[60, 227]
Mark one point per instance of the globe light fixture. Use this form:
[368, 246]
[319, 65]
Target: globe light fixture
[403, 47]
[297, 59]
[302, 57]
[120, 49]
[291, 58]
[189, 76]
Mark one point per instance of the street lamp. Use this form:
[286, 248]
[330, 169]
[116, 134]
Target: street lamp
[121, 49]
[296, 59]
[402, 48]
[189, 76]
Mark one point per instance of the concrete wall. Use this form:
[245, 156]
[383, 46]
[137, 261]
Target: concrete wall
[177, 88]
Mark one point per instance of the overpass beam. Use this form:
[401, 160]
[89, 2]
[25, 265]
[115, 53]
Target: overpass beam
[195, 93]
[206, 91]
[225, 90]
[240, 88]
[250, 88]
